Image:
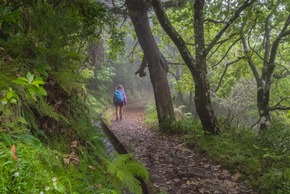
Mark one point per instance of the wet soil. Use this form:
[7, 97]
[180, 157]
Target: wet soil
[173, 168]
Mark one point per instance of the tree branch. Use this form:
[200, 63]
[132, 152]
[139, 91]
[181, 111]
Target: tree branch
[279, 108]
[173, 63]
[172, 33]
[132, 52]
[246, 4]
[227, 65]
[174, 3]
[266, 41]
[176, 78]
[220, 44]
[226, 39]
[141, 70]
[249, 37]
[226, 53]
[116, 9]
[275, 45]
[249, 58]
[279, 103]
[281, 75]
[214, 21]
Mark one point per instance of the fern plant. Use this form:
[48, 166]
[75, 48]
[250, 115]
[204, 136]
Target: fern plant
[124, 171]
[46, 109]
[70, 81]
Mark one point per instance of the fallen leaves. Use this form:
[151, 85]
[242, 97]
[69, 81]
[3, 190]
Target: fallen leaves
[13, 152]
[72, 157]
[173, 167]
[235, 177]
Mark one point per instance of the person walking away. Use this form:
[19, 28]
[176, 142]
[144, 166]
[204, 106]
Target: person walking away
[119, 100]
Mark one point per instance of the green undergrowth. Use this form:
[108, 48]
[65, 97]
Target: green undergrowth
[73, 161]
[40, 169]
[262, 163]
[108, 115]
[28, 165]
[262, 159]
[151, 116]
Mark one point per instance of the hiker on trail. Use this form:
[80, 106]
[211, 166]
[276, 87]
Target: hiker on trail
[119, 100]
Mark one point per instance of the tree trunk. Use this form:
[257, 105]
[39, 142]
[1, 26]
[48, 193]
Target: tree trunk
[265, 81]
[263, 107]
[204, 107]
[197, 68]
[202, 90]
[138, 10]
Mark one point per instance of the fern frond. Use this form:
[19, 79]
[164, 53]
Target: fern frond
[69, 81]
[137, 169]
[29, 117]
[132, 184]
[127, 170]
[46, 109]
[29, 140]
[118, 163]
[63, 118]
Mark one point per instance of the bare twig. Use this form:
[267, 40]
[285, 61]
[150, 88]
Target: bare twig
[279, 108]
[214, 21]
[227, 65]
[132, 52]
[220, 44]
[226, 53]
[279, 103]
[249, 58]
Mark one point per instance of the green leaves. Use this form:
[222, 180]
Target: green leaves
[29, 80]
[8, 19]
[10, 96]
[32, 85]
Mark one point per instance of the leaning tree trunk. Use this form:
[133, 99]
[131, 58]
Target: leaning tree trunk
[138, 11]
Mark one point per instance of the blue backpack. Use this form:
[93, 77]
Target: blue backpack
[118, 97]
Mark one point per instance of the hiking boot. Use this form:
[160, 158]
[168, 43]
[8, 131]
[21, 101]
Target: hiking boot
[117, 119]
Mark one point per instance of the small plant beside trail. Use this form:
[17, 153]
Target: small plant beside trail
[125, 169]
[262, 160]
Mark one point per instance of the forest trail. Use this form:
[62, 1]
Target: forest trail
[173, 167]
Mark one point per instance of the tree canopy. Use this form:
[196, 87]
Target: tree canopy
[225, 62]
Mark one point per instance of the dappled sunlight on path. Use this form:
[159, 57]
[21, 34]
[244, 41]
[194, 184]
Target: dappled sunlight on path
[173, 167]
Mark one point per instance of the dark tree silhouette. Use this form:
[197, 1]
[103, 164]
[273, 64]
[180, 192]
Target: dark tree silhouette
[138, 12]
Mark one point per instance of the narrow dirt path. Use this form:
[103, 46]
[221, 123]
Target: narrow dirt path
[173, 168]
